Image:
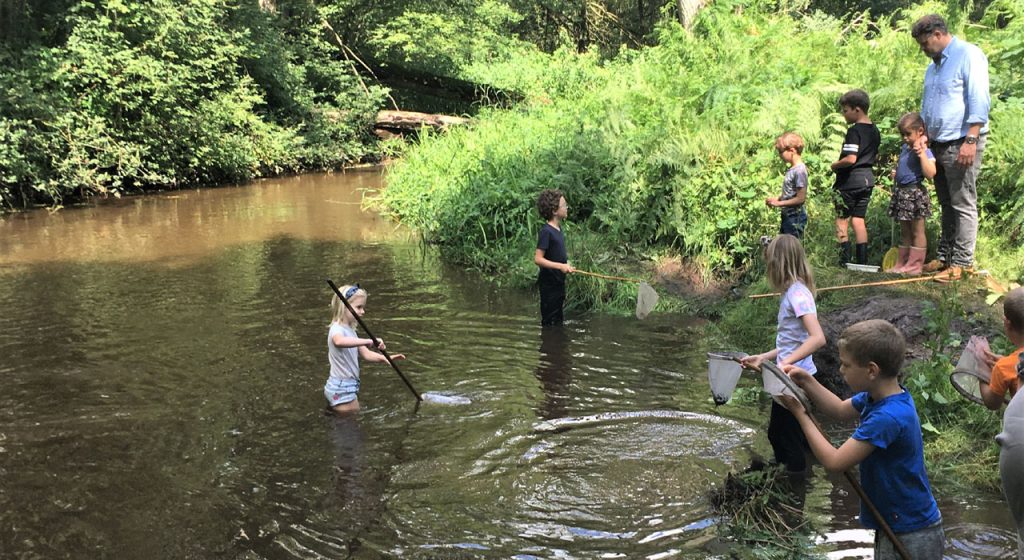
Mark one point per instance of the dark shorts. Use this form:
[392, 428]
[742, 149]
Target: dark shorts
[852, 203]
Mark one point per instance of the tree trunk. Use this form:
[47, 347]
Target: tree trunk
[688, 11]
[411, 120]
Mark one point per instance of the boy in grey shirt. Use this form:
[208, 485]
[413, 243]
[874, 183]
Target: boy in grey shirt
[790, 146]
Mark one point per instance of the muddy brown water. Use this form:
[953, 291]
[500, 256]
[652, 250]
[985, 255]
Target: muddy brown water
[162, 362]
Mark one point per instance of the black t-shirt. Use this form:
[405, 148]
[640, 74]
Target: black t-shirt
[552, 242]
[862, 140]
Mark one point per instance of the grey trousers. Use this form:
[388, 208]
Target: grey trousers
[1011, 464]
[956, 189]
[923, 544]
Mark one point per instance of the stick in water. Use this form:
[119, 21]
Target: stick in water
[376, 341]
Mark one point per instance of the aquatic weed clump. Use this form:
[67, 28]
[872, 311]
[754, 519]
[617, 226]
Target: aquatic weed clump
[763, 507]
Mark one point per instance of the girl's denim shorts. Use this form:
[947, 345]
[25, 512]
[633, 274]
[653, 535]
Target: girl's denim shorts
[341, 391]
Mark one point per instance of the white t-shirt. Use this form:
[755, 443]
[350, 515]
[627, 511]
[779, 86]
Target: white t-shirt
[344, 361]
[796, 302]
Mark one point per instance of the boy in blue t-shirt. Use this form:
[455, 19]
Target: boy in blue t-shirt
[887, 445]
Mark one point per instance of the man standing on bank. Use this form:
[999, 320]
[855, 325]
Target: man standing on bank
[955, 108]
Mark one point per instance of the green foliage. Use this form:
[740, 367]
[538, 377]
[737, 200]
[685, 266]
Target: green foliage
[764, 514]
[171, 93]
[672, 146]
[446, 41]
[959, 445]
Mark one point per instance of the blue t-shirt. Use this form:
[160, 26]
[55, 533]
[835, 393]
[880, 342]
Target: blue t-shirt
[908, 166]
[552, 242]
[893, 475]
[796, 302]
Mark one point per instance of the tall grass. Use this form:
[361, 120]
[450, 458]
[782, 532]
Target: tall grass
[671, 146]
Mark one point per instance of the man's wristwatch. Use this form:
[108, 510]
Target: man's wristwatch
[970, 139]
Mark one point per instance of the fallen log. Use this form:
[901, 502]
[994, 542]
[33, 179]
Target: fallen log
[411, 120]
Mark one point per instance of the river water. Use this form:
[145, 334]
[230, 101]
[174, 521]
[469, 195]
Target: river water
[162, 363]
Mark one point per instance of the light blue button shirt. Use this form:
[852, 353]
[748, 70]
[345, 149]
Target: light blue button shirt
[956, 92]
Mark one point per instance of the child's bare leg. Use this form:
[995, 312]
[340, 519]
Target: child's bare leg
[917, 233]
[842, 227]
[860, 231]
[350, 407]
[907, 234]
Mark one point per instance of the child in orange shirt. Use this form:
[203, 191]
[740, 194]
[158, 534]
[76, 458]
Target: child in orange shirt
[1004, 368]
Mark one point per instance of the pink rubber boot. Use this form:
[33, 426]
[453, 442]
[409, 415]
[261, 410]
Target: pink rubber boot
[915, 262]
[901, 262]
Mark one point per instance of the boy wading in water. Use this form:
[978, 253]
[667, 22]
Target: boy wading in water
[551, 257]
[887, 444]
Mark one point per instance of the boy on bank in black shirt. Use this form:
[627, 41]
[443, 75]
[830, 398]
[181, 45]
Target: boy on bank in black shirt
[854, 176]
[551, 256]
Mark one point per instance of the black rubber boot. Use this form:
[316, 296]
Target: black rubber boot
[844, 253]
[862, 253]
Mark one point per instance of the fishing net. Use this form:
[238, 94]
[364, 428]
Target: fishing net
[724, 371]
[646, 299]
[971, 370]
[778, 383]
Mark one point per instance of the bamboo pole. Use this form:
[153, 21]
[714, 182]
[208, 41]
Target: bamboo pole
[605, 276]
[864, 285]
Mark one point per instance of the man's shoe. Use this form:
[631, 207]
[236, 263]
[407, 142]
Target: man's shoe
[934, 266]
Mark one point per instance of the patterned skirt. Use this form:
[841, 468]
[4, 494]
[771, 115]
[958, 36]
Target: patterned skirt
[909, 203]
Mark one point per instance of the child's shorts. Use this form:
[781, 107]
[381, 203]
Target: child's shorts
[341, 391]
[909, 203]
[852, 203]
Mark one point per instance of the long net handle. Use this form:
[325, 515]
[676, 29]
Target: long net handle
[864, 285]
[605, 276]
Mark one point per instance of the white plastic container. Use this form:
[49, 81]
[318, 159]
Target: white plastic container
[723, 373]
[863, 267]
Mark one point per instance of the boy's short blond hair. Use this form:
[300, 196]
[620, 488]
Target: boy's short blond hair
[790, 140]
[1013, 309]
[875, 340]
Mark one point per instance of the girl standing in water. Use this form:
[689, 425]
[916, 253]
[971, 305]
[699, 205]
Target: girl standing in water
[798, 336]
[344, 348]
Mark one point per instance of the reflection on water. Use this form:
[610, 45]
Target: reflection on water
[190, 224]
[554, 370]
[162, 368]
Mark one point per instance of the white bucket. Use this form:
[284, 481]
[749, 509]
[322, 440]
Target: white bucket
[723, 374]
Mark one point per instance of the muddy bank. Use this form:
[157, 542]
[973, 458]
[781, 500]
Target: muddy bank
[908, 314]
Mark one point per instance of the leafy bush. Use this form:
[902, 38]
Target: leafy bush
[672, 146]
[169, 93]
